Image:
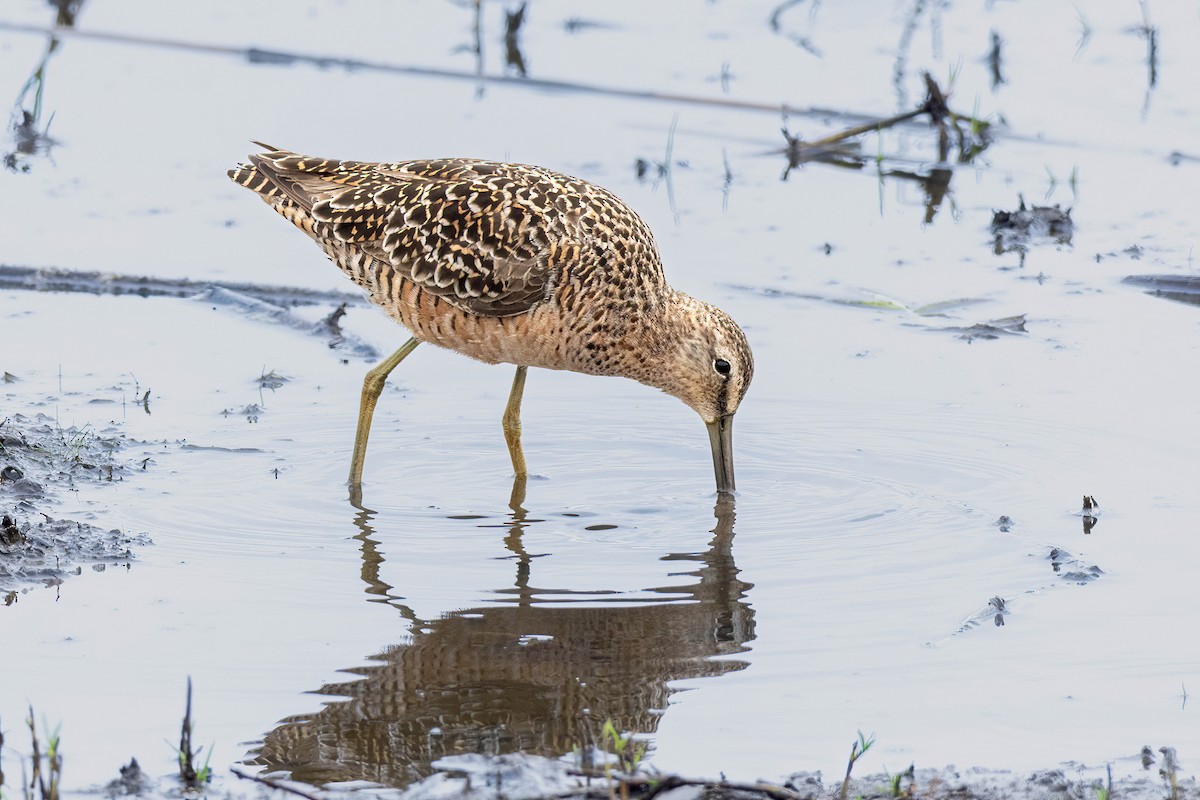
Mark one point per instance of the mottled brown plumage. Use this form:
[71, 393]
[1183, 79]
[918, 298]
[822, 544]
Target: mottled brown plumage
[512, 263]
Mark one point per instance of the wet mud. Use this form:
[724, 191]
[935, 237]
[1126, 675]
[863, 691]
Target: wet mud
[40, 462]
[529, 777]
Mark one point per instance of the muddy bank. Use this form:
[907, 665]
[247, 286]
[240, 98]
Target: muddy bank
[521, 777]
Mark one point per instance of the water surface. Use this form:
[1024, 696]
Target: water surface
[851, 586]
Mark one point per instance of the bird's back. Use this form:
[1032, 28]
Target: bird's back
[487, 237]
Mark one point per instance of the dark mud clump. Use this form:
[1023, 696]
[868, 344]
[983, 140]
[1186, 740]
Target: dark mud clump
[47, 551]
[1016, 231]
[133, 782]
[992, 329]
[39, 460]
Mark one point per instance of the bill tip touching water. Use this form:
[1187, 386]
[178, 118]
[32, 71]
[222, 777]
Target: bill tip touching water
[517, 264]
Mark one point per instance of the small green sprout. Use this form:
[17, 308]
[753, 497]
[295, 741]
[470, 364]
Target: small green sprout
[857, 750]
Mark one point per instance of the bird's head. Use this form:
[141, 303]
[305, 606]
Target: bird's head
[708, 365]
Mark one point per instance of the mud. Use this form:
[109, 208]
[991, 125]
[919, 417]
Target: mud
[1075, 782]
[40, 462]
[523, 777]
[132, 782]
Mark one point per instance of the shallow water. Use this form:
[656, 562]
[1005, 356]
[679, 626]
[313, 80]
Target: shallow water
[876, 451]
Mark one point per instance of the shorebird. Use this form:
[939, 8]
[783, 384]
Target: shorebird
[516, 264]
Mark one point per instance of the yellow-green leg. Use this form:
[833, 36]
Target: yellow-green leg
[512, 423]
[372, 386]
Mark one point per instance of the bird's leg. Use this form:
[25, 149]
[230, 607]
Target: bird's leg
[512, 423]
[372, 386]
[516, 499]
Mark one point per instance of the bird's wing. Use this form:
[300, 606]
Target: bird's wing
[483, 236]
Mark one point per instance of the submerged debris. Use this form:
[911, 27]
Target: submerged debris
[992, 329]
[333, 323]
[271, 380]
[251, 412]
[995, 60]
[994, 611]
[1070, 568]
[514, 59]
[1090, 513]
[1016, 231]
[1001, 608]
[837, 149]
[266, 311]
[935, 104]
[1180, 288]
[49, 279]
[133, 781]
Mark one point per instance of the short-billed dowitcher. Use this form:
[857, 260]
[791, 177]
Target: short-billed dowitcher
[516, 264]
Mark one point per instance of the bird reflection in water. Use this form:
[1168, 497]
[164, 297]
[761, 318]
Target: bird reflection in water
[538, 673]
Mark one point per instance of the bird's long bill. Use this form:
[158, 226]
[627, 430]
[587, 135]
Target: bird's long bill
[720, 436]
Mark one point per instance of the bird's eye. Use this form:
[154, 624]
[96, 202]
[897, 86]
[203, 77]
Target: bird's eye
[722, 366]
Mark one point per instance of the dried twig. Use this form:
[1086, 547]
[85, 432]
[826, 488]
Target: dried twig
[283, 786]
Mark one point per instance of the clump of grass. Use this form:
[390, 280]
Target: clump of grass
[74, 441]
[629, 753]
[1106, 792]
[857, 750]
[897, 785]
[620, 755]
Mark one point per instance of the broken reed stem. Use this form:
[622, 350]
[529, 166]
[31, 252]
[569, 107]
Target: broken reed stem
[187, 770]
[767, 789]
[867, 127]
[53, 771]
[283, 786]
[934, 104]
[35, 777]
